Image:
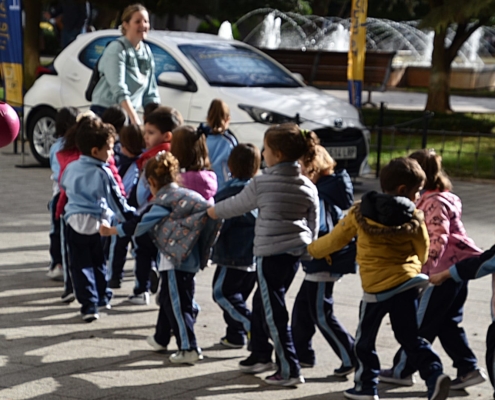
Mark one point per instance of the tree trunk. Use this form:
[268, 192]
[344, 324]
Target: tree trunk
[439, 89]
[32, 10]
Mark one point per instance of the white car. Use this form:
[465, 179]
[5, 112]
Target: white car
[192, 69]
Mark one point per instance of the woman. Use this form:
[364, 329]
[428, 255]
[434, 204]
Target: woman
[127, 68]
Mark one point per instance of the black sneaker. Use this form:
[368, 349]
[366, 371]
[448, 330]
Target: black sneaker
[344, 371]
[114, 284]
[67, 297]
[154, 280]
[254, 365]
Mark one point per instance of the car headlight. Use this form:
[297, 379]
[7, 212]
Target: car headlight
[268, 117]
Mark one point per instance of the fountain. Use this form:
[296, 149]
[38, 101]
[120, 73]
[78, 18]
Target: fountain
[276, 29]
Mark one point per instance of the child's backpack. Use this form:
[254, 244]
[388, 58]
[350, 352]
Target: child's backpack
[95, 75]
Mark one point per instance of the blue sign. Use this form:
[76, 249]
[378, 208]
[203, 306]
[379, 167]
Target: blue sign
[11, 52]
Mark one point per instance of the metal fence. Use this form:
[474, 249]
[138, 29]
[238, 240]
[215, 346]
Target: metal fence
[464, 154]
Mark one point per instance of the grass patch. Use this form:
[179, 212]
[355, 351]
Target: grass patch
[462, 156]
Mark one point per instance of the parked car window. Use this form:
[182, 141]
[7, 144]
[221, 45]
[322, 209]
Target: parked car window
[164, 62]
[228, 65]
[92, 52]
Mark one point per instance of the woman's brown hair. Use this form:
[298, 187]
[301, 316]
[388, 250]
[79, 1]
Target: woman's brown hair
[431, 163]
[292, 142]
[163, 168]
[218, 116]
[189, 147]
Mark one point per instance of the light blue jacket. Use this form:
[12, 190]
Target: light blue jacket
[54, 164]
[127, 74]
[91, 189]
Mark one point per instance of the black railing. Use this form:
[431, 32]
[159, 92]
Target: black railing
[465, 154]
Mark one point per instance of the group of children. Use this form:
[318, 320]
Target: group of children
[183, 196]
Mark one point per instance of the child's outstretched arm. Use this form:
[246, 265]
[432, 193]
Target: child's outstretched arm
[474, 267]
[341, 235]
[108, 230]
[441, 277]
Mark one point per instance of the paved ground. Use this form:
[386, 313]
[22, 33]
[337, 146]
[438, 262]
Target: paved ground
[47, 352]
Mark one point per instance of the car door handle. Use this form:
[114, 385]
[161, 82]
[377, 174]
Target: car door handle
[74, 77]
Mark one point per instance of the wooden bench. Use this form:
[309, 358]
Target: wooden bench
[328, 69]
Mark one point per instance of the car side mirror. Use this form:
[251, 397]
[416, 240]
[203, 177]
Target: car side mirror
[173, 79]
[298, 77]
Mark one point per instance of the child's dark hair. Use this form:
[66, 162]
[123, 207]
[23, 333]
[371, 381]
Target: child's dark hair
[244, 161]
[91, 133]
[70, 136]
[401, 171]
[149, 108]
[65, 119]
[116, 116]
[189, 147]
[163, 168]
[131, 138]
[218, 116]
[292, 142]
[164, 118]
[436, 178]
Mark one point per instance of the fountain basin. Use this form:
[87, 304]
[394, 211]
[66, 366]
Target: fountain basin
[461, 77]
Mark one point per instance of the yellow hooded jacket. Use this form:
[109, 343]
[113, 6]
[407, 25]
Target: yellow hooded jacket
[387, 255]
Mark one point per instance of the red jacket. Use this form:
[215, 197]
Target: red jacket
[151, 153]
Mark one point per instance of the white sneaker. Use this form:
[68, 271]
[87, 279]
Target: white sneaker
[90, 317]
[153, 343]
[56, 273]
[142, 299]
[186, 357]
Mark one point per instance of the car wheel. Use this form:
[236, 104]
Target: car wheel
[41, 134]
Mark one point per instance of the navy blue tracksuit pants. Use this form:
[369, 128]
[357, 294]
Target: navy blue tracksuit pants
[55, 239]
[402, 311]
[314, 306]
[145, 253]
[490, 352]
[269, 318]
[439, 315]
[88, 271]
[231, 288]
[65, 257]
[177, 311]
[117, 256]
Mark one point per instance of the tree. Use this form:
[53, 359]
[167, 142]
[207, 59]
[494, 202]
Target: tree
[464, 17]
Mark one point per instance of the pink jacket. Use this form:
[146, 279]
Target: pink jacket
[449, 242]
[203, 182]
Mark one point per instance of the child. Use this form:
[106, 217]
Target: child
[474, 268]
[132, 144]
[158, 127]
[392, 245]
[219, 140]
[235, 275]
[189, 147]
[66, 118]
[440, 309]
[93, 197]
[287, 222]
[177, 221]
[117, 117]
[314, 302]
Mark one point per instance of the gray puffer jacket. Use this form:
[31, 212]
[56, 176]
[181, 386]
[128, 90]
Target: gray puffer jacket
[288, 210]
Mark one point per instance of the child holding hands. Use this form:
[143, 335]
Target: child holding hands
[287, 222]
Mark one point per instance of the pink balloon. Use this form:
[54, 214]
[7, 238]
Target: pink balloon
[9, 124]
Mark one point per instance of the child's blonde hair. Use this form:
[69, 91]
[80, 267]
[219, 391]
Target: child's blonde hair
[431, 163]
[292, 142]
[163, 168]
[322, 164]
[218, 116]
[189, 147]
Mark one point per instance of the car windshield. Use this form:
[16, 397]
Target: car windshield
[236, 66]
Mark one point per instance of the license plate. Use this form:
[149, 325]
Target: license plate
[343, 153]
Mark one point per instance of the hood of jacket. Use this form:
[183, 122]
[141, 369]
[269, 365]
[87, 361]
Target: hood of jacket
[390, 214]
